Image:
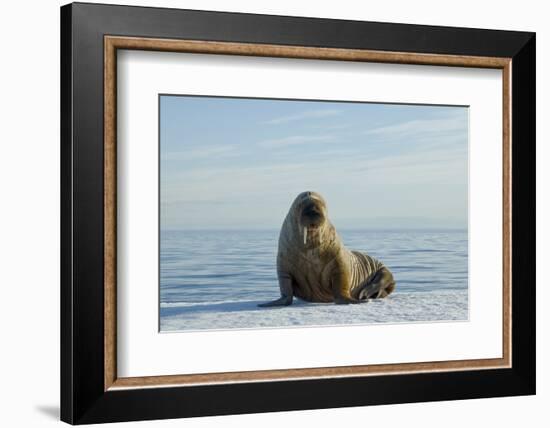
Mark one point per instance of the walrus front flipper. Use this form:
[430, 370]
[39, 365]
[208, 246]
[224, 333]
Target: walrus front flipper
[283, 301]
[341, 287]
[347, 300]
[287, 294]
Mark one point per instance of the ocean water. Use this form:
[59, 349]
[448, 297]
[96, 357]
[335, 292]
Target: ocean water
[215, 279]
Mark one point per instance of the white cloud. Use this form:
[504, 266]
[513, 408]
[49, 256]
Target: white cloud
[294, 140]
[420, 126]
[199, 153]
[310, 114]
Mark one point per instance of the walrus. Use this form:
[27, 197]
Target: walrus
[314, 265]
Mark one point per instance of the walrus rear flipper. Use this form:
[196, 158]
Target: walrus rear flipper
[380, 286]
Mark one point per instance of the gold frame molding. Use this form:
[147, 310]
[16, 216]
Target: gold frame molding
[113, 43]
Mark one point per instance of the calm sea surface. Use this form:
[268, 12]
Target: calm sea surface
[206, 266]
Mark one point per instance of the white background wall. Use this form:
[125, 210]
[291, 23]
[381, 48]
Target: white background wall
[29, 213]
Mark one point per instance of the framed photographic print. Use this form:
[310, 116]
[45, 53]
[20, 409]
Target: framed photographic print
[320, 213]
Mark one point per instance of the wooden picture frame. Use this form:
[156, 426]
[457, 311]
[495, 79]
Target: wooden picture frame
[91, 391]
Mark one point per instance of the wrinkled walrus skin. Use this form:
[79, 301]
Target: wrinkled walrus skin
[314, 265]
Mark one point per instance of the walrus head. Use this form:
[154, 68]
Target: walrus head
[310, 211]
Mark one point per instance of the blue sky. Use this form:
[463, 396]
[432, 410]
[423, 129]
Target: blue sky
[231, 163]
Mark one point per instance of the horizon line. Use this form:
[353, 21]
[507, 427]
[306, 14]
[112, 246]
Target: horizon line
[197, 229]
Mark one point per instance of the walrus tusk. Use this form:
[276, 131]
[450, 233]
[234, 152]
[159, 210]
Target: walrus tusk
[305, 235]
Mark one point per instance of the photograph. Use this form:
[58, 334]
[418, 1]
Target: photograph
[280, 213]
